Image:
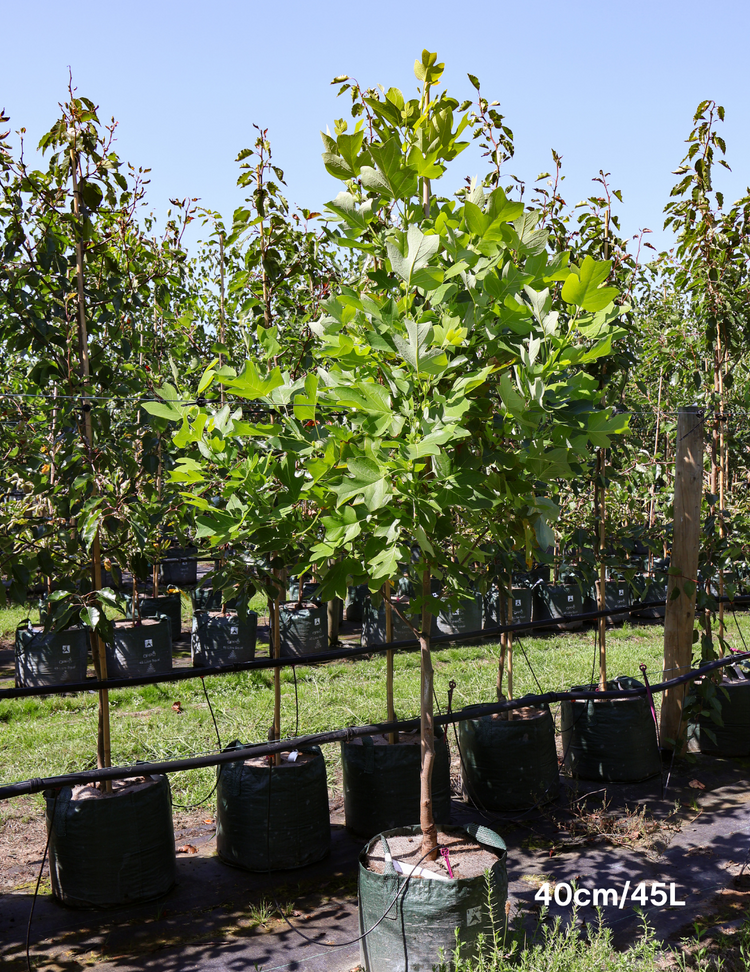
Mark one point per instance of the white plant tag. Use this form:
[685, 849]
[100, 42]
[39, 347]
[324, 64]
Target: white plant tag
[292, 757]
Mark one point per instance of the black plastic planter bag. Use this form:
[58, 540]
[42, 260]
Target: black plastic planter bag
[50, 659]
[426, 913]
[180, 567]
[467, 616]
[113, 849]
[651, 589]
[303, 630]
[509, 764]
[522, 606]
[558, 601]
[611, 740]
[296, 809]
[355, 601]
[373, 623]
[207, 599]
[310, 593]
[143, 649]
[733, 738]
[616, 598]
[222, 639]
[381, 784]
[169, 605]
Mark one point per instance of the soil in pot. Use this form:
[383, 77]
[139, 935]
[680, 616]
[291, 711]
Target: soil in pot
[303, 628]
[733, 738]
[108, 850]
[273, 817]
[509, 760]
[381, 782]
[610, 740]
[428, 911]
[170, 605]
[140, 649]
[222, 639]
[50, 659]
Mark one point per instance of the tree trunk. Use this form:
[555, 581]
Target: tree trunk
[392, 736]
[429, 830]
[103, 750]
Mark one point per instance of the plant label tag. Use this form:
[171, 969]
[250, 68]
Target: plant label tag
[474, 916]
[149, 643]
[292, 757]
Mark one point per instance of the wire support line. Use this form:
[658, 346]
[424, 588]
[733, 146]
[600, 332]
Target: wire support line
[234, 755]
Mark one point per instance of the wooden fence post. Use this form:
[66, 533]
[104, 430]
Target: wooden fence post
[679, 618]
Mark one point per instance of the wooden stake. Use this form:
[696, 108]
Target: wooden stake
[679, 617]
[602, 584]
[429, 830]
[103, 748]
[392, 736]
[274, 618]
[502, 603]
[509, 643]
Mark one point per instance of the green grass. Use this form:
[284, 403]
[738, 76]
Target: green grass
[57, 734]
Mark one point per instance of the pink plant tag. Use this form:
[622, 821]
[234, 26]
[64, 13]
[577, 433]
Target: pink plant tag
[444, 853]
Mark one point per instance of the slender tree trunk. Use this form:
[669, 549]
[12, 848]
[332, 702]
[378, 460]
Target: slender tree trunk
[103, 749]
[275, 625]
[429, 830]
[392, 736]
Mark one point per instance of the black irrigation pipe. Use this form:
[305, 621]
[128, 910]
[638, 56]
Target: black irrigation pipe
[36, 785]
[340, 654]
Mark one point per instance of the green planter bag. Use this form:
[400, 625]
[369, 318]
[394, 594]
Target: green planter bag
[424, 915]
[110, 850]
[180, 567]
[616, 598]
[459, 620]
[552, 601]
[509, 764]
[355, 601]
[272, 818]
[610, 740]
[222, 639]
[373, 623]
[381, 784]
[733, 738]
[143, 649]
[303, 630]
[522, 606]
[169, 605]
[50, 659]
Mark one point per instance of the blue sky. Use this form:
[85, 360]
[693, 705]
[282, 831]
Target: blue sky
[610, 86]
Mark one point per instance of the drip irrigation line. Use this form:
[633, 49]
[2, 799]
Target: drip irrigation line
[183, 674]
[350, 732]
[193, 806]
